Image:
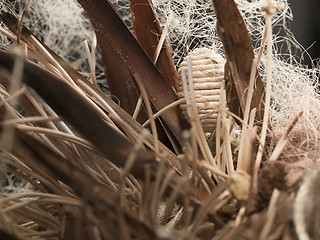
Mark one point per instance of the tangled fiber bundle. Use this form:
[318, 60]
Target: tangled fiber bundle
[157, 157]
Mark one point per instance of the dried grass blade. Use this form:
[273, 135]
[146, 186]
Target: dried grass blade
[95, 194]
[90, 61]
[69, 103]
[11, 22]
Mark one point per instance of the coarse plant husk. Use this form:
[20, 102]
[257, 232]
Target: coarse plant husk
[76, 188]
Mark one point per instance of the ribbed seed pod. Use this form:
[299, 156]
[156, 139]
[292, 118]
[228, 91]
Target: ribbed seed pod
[208, 74]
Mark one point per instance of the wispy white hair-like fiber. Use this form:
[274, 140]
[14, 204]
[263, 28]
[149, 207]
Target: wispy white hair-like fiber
[62, 25]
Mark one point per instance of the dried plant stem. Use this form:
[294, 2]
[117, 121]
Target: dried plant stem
[93, 50]
[90, 61]
[43, 113]
[195, 115]
[171, 105]
[165, 183]
[150, 113]
[63, 126]
[218, 127]
[53, 61]
[34, 100]
[36, 198]
[242, 165]
[214, 170]
[65, 136]
[195, 156]
[44, 109]
[213, 204]
[252, 118]
[38, 235]
[187, 213]
[105, 177]
[113, 115]
[4, 92]
[176, 219]
[161, 41]
[155, 199]
[240, 216]
[127, 167]
[283, 140]
[29, 120]
[20, 25]
[49, 65]
[9, 35]
[123, 227]
[270, 214]
[44, 179]
[226, 145]
[7, 135]
[37, 215]
[174, 194]
[137, 108]
[96, 233]
[269, 11]
[206, 179]
[262, 46]
[14, 96]
[226, 122]
[23, 176]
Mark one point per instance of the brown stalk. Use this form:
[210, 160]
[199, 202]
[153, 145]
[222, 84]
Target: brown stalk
[121, 52]
[147, 30]
[239, 54]
[34, 110]
[11, 22]
[99, 196]
[5, 80]
[68, 103]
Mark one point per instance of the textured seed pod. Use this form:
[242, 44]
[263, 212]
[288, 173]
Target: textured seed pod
[208, 74]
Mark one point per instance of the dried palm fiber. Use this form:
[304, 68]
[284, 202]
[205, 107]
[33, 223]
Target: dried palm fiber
[293, 92]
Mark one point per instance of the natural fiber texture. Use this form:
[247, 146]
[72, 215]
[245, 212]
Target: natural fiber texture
[94, 172]
[294, 87]
[63, 26]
